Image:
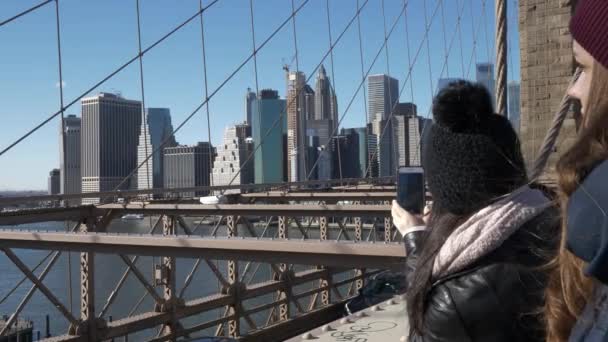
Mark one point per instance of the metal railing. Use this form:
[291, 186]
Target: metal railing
[317, 256]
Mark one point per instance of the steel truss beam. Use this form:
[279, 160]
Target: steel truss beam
[289, 210]
[343, 254]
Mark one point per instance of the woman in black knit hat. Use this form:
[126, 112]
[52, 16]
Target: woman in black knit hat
[473, 273]
[577, 296]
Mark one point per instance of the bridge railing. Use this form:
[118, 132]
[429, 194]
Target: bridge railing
[281, 268]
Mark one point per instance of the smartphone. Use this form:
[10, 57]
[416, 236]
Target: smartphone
[410, 189]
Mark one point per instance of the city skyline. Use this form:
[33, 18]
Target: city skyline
[178, 86]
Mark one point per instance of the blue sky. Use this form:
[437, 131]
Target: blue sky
[99, 36]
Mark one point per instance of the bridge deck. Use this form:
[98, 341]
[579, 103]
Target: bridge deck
[386, 321]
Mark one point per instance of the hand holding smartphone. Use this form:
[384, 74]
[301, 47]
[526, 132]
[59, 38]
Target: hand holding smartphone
[411, 189]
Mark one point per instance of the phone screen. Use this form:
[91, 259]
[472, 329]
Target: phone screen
[410, 189]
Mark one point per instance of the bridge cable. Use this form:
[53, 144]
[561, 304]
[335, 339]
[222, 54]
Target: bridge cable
[31, 9]
[460, 41]
[273, 126]
[407, 46]
[209, 147]
[426, 36]
[222, 84]
[105, 79]
[408, 75]
[368, 71]
[474, 35]
[63, 145]
[364, 87]
[445, 43]
[146, 129]
[333, 107]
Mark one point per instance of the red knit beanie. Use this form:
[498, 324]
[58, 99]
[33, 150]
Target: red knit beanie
[589, 27]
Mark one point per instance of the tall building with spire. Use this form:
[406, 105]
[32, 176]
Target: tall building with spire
[326, 106]
[296, 126]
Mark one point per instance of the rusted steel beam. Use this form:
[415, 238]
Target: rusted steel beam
[246, 187]
[252, 209]
[148, 320]
[344, 254]
[298, 210]
[311, 196]
[48, 215]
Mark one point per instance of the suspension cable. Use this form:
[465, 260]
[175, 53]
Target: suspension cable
[209, 148]
[31, 9]
[460, 41]
[146, 129]
[368, 71]
[445, 43]
[333, 107]
[364, 88]
[274, 124]
[224, 82]
[426, 37]
[105, 79]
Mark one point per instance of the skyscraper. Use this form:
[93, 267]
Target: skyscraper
[249, 98]
[407, 127]
[186, 167]
[309, 103]
[485, 76]
[385, 156]
[159, 129]
[296, 126]
[372, 152]
[54, 182]
[70, 177]
[268, 159]
[110, 130]
[318, 133]
[354, 152]
[383, 94]
[326, 106]
[231, 159]
[444, 82]
[514, 104]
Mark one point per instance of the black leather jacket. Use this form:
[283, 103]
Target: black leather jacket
[499, 298]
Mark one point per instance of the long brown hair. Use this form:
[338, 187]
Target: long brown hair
[569, 289]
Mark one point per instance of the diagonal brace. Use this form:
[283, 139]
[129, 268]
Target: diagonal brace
[45, 290]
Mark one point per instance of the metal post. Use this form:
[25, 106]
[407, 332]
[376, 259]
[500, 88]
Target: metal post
[168, 278]
[87, 285]
[358, 237]
[388, 226]
[48, 326]
[325, 294]
[501, 57]
[283, 293]
[234, 325]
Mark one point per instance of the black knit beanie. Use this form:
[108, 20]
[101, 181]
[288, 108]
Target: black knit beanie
[470, 154]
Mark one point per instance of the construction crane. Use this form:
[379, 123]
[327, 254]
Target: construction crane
[287, 66]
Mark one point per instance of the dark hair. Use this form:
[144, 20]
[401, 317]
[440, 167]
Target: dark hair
[461, 107]
[440, 226]
[569, 289]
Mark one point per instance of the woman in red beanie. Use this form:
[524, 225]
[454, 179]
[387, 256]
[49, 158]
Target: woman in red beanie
[577, 295]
